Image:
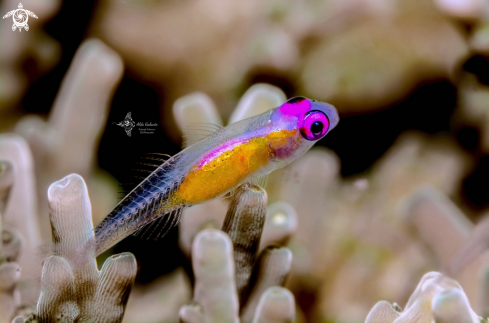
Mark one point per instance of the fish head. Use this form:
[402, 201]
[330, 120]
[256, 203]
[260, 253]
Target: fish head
[306, 121]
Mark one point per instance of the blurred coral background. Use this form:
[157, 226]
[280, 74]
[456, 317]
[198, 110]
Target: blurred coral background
[399, 189]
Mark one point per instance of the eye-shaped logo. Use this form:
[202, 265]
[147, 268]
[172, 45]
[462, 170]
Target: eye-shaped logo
[20, 17]
[127, 124]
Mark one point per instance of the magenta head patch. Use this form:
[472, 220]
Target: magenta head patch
[312, 124]
[295, 106]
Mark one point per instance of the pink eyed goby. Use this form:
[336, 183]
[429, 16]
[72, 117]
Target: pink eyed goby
[244, 151]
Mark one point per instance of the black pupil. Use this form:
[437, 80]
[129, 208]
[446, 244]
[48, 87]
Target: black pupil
[317, 127]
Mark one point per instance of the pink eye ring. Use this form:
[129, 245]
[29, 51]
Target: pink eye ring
[314, 125]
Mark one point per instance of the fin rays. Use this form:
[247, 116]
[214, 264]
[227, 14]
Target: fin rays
[140, 169]
[195, 132]
[159, 227]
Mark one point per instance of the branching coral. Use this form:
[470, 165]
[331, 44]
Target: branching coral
[9, 295]
[349, 233]
[215, 290]
[19, 213]
[6, 180]
[72, 289]
[66, 142]
[244, 225]
[459, 247]
[222, 284]
[270, 270]
[436, 299]
[21, 209]
[10, 271]
[371, 244]
[280, 223]
[62, 145]
[438, 223]
[354, 217]
[250, 277]
[159, 301]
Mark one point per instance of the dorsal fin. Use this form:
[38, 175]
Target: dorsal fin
[195, 132]
[140, 168]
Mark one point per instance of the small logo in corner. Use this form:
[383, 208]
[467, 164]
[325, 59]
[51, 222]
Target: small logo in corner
[20, 17]
[128, 124]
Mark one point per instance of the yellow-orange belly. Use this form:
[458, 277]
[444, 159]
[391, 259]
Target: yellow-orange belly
[222, 173]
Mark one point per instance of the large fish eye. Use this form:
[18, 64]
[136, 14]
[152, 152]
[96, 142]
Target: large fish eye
[314, 125]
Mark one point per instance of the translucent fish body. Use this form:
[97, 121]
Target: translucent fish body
[241, 152]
